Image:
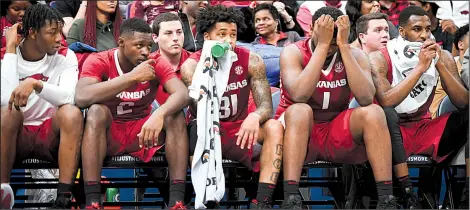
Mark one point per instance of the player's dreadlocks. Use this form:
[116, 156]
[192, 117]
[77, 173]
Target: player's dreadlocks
[208, 17]
[36, 16]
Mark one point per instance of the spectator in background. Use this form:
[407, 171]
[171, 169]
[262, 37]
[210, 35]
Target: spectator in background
[11, 13]
[392, 8]
[444, 38]
[287, 17]
[248, 35]
[268, 27]
[355, 9]
[452, 15]
[168, 34]
[149, 10]
[100, 27]
[308, 8]
[461, 44]
[189, 11]
[238, 3]
[372, 32]
[70, 10]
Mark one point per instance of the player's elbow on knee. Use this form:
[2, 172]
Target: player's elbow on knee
[365, 100]
[372, 114]
[82, 101]
[300, 98]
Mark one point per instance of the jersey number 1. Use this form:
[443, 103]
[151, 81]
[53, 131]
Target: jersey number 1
[326, 100]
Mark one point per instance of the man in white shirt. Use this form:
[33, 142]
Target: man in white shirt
[39, 119]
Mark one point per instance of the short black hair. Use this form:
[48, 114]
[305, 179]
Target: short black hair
[460, 35]
[362, 24]
[133, 25]
[207, 18]
[406, 13]
[272, 10]
[4, 4]
[331, 11]
[165, 17]
[35, 18]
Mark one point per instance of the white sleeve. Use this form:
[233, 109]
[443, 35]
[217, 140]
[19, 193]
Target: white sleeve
[10, 77]
[64, 93]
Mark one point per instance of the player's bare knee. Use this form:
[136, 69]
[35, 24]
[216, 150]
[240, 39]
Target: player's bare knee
[97, 115]
[70, 116]
[274, 128]
[175, 122]
[371, 114]
[299, 112]
[11, 119]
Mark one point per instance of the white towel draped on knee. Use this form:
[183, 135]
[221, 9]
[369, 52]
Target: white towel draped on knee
[208, 85]
[404, 58]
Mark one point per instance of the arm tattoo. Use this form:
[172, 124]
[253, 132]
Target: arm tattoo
[379, 72]
[260, 87]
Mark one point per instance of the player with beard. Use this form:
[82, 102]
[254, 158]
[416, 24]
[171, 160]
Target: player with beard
[318, 75]
[252, 139]
[39, 119]
[119, 86]
[439, 138]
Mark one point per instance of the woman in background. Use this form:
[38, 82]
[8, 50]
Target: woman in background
[99, 28]
[149, 10]
[11, 13]
[268, 27]
[355, 9]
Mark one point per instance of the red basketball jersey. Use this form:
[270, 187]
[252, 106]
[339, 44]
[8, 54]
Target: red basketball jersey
[162, 95]
[423, 111]
[133, 103]
[234, 103]
[332, 93]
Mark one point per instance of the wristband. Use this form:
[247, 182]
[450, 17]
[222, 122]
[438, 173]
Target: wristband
[289, 21]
